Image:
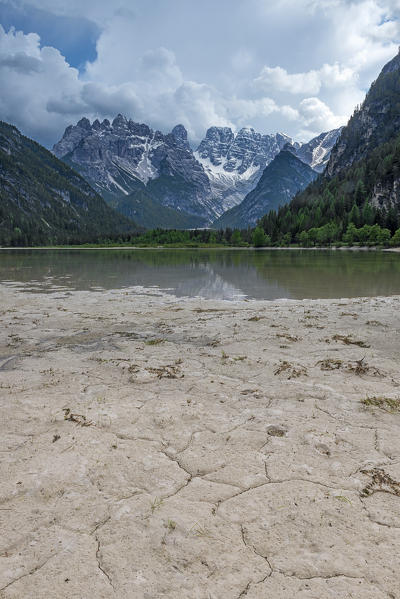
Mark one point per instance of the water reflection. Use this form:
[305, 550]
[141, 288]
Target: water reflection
[219, 274]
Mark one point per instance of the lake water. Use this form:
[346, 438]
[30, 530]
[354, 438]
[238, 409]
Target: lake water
[216, 274]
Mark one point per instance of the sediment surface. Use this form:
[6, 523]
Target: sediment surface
[161, 448]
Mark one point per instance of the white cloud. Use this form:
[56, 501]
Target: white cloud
[278, 79]
[155, 64]
[317, 116]
[35, 78]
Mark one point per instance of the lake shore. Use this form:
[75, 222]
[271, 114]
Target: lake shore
[155, 447]
[343, 248]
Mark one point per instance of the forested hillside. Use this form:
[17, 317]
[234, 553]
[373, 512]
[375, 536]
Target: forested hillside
[43, 201]
[365, 194]
[361, 186]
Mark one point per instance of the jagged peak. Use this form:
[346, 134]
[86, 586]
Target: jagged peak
[180, 136]
[214, 131]
[246, 132]
[120, 121]
[84, 123]
[179, 131]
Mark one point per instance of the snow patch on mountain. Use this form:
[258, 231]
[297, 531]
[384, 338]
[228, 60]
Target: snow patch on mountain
[121, 157]
[235, 163]
[317, 151]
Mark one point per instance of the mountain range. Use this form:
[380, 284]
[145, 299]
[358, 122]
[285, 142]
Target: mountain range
[158, 180]
[349, 176]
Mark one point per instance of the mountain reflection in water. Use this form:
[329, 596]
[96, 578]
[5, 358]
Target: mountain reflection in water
[213, 274]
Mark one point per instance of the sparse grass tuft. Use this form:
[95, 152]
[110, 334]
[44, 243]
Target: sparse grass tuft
[288, 337]
[348, 340]
[169, 371]
[200, 531]
[330, 364]
[358, 367]
[171, 524]
[375, 323]
[361, 367]
[155, 341]
[78, 419]
[155, 504]
[342, 498]
[387, 404]
[290, 370]
[380, 482]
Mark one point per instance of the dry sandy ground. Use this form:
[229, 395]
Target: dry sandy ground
[159, 448]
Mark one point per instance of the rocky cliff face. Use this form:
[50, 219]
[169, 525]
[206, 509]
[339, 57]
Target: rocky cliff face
[375, 122]
[235, 163]
[116, 158]
[113, 156]
[122, 157]
[280, 181]
[386, 194]
[316, 153]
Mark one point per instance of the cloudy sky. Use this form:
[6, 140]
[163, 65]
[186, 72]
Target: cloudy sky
[296, 66]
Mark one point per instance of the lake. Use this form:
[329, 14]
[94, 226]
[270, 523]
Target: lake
[214, 274]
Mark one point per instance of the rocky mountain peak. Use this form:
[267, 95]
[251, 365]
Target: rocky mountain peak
[120, 122]
[221, 134]
[84, 123]
[181, 137]
[235, 162]
[124, 156]
[237, 152]
[393, 65]
[247, 132]
[283, 139]
[120, 158]
[374, 123]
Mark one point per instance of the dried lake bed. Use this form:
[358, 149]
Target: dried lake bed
[159, 447]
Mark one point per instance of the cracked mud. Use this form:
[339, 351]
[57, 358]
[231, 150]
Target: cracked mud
[160, 448]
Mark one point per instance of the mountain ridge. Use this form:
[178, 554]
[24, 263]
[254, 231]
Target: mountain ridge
[361, 184]
[281, 180]
[43, 201]
[120, 157]
[372, 123]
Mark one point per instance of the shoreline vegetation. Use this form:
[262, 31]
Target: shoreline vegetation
[100, 246]
[325, 237]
